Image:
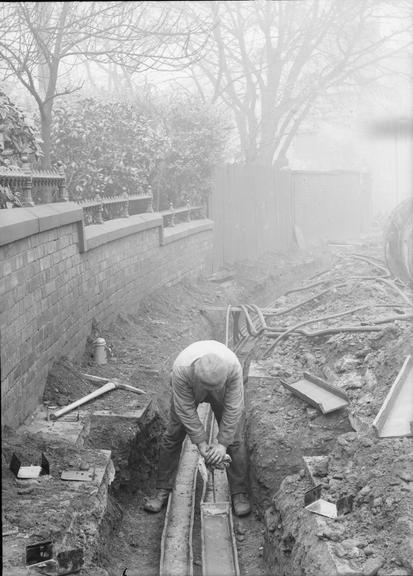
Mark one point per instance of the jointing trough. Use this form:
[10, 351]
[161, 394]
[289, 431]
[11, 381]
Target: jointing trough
[176, 544]
[219, 552]
[395, 417]
[318, 393]
[219, 549]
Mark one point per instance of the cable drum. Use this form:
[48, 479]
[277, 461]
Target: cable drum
[398, 242]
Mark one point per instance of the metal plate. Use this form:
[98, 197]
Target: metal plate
[77, 475]
[40, 552]
[312, 495]
[323, 508]
[318, 393]
[26, 472]
[70, 561]
[31, 470]
[345, 505]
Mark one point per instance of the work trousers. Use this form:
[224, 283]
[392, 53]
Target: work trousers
[170, 450]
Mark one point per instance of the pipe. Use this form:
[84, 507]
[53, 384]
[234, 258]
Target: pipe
[306, 287]
[280, 312]
[396, 288]
[366, 259]
[312, 321]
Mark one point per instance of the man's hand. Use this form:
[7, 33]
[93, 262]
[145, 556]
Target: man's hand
[204, 449]
[215, 454]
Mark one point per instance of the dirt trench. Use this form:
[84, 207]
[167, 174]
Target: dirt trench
[166, 324]
[142, 347]
[279, 537]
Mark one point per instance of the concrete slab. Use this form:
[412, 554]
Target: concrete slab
[69, 430]
[131, 415]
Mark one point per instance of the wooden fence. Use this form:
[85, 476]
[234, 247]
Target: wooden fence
[257, 209]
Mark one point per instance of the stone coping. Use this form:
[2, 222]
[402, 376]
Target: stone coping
[98, 234]
[18, 223]
[185, 229]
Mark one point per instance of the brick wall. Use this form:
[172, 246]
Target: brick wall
[55, 279]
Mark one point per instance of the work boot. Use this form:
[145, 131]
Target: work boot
[156, 503]
[241, 504]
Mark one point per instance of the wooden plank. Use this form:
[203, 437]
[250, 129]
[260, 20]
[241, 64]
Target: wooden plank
[395, 417]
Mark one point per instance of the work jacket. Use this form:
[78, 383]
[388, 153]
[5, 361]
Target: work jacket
[188, 392]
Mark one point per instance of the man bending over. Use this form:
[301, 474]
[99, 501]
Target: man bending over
[205, 371]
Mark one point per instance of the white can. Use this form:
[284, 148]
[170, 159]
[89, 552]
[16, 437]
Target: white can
[100, 351]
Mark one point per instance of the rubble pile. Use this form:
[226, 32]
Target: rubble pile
[376, 535]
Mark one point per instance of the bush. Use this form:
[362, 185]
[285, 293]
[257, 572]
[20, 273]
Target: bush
[17, 136]
[195, 144]
[112, 147]
[107, 148]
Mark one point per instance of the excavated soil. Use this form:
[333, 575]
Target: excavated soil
[141, 348]
[376, 537]
[281, 427]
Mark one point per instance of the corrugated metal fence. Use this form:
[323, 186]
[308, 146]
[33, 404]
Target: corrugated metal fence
[256, 209]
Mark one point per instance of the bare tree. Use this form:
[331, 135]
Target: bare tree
[41, 42]
[270, 62]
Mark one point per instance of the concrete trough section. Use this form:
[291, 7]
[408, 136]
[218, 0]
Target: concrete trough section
[176, 544]
[395, 417]
[318, 393]
[219, 551]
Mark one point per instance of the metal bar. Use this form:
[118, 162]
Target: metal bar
[396, 414]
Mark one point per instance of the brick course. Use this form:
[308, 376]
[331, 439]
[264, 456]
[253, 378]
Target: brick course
[50, 292]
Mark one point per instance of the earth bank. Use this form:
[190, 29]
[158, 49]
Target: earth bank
[280, 537]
